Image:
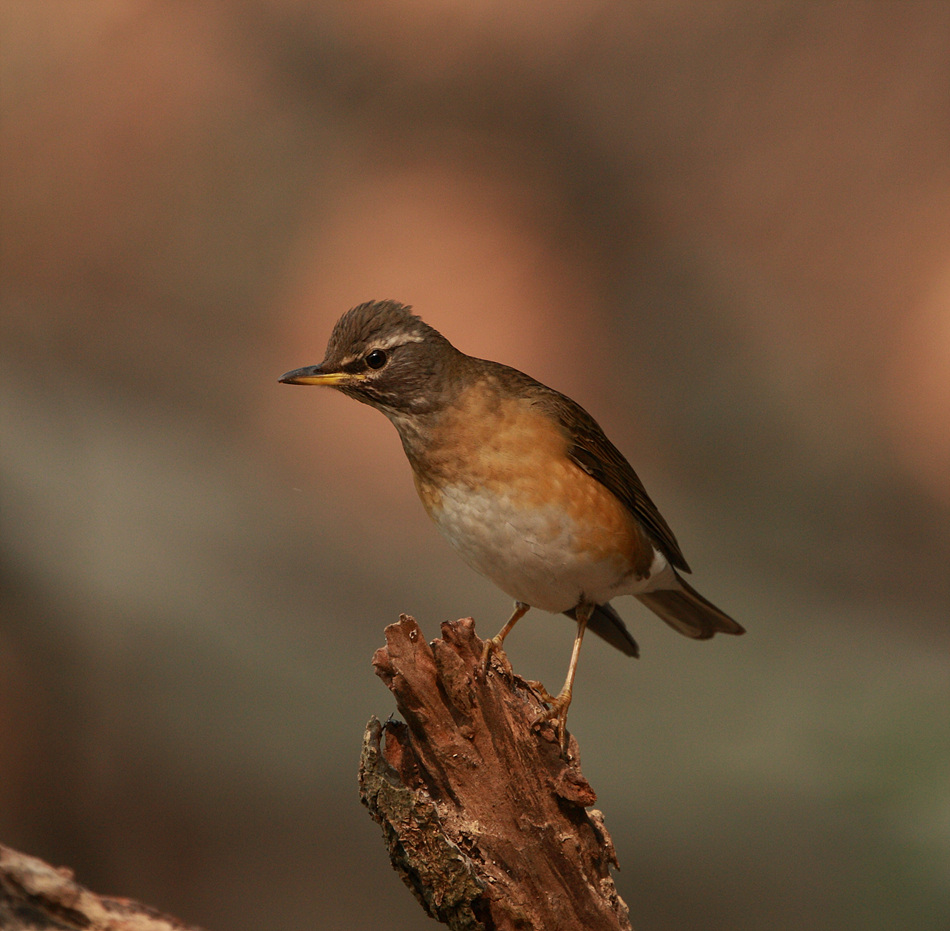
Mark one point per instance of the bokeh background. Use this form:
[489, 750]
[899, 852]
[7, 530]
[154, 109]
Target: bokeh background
[723, 227]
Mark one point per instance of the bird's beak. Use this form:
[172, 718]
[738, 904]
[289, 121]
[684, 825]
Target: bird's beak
[314, 375]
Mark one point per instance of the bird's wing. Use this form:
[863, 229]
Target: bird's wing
[598, 457]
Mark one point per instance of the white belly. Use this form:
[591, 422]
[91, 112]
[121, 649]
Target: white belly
[529, 553]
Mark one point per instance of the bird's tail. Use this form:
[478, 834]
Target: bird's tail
[606, 623]
[685, 610]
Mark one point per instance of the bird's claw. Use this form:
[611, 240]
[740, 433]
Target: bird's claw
[491, 648]
[542, 693]
[556, 713]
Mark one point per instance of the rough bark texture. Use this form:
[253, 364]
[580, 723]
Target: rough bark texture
[35, 896]
[484, 820]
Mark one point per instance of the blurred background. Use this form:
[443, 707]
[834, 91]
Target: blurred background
[723, 227]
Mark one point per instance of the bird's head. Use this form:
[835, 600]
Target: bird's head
[383, 355]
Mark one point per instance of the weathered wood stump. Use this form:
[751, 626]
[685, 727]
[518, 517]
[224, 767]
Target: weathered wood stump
[35, 896]
[484, 820]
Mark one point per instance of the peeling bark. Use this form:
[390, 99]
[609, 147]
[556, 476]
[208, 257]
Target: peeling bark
[484, 820]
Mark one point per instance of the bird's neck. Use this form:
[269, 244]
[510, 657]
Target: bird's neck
[422, 428]
[417, 432]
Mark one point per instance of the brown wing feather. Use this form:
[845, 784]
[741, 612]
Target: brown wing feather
[600, 459]
[597, 456]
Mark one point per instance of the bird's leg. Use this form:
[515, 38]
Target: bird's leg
[495, 644]
[560, 703]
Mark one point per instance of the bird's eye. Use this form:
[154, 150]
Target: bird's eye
[376, 359]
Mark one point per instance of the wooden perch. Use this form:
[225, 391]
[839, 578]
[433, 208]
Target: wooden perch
[484, 820]
[35, 896]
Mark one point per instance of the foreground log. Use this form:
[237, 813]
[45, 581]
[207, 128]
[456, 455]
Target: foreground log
[35, 896]
[485, 821]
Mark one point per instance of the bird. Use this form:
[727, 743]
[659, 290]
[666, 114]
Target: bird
[521, 480]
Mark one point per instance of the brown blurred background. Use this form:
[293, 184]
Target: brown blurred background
[723, 227]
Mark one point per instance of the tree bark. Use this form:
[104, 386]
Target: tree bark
[35, 896]
[484, 820]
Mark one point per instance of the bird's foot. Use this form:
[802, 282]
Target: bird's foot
[557, 712]
[491, 648]
[494, 645]
[542, 693]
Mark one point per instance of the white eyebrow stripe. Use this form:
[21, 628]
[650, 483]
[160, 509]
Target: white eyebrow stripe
[397, 339]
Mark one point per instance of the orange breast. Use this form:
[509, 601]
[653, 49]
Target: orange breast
[517, 455]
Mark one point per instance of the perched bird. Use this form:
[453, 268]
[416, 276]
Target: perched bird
[520, 479]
